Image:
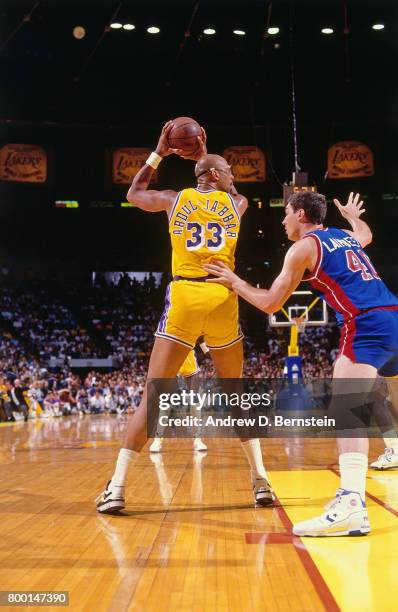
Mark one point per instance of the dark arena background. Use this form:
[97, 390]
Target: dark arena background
[296, 95]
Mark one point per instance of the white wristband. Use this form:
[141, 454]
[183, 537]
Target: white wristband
[154, 160]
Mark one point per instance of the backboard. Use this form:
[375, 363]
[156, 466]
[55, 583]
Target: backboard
[301, 304]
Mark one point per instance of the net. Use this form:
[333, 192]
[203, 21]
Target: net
[300, 323]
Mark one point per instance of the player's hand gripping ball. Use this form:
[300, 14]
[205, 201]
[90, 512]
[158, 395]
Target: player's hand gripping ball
[184, 137]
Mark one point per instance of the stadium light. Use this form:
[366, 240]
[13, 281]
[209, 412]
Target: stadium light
[378, 26]
[128, 26]
[209, 31]
[273, 31]
[327, 30]
[153, 30]
[239, 32]
[116, 25]
[79, 32]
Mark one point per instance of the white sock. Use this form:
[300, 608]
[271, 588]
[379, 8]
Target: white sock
[122, 466]
[391, 440]
[353, 468]
[252, 450]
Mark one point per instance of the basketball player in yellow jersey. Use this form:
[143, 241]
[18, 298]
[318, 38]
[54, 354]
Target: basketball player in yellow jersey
[203, 223]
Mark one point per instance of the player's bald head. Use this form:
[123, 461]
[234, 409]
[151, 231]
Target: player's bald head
[209, 162]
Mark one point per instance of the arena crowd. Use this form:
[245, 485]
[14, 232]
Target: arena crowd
[43, 324]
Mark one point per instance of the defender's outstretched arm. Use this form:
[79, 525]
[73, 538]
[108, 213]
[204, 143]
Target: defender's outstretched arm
[352, 212]
[299, 258]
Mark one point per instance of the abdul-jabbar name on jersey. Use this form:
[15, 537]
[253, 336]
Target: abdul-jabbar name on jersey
[345, 277]
[203, 225]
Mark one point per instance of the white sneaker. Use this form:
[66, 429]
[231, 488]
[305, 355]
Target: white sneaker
[263, 494]
[156, 446]
[345, 515]
[387, 461]
[198, 445]
[111, 500]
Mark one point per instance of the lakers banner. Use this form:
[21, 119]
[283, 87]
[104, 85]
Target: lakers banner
[349, 159]
[23, 163]
[126, 163]
[248, 164]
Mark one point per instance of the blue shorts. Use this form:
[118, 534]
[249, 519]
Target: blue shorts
[372, 338]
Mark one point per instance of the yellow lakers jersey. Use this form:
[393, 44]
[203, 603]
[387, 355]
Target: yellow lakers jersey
[203, 225]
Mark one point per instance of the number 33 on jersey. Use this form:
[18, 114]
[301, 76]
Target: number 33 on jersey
[202, 225]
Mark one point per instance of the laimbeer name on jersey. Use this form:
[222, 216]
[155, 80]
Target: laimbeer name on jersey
[345, 276]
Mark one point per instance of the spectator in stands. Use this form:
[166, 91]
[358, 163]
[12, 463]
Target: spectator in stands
[17, 397]
[5, 399]
[82, 401]
[36, 324]
[97, 402]
[66, 401]
[51, 404]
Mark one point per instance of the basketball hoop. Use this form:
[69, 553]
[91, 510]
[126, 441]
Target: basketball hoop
[300, 305]
[300, 323]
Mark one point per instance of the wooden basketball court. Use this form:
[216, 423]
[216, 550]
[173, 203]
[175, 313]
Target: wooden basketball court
[190, 538]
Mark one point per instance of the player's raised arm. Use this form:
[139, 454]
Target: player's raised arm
[352, 212]
[152, 200]
[299, 258]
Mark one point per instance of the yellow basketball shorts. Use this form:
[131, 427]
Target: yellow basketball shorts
[190, 366]
[194, 308]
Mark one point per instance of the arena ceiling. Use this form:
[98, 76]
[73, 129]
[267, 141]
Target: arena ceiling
[130, 76]
[80, 96]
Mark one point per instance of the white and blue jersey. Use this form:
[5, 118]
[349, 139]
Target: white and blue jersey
[346, 279]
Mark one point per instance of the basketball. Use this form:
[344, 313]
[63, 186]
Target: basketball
[184, 134]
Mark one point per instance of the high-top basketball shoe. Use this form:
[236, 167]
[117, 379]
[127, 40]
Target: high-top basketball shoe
[111, 500]
[345, 515]
[199, 445]
[156, 446]
[387, 461]
[263, 494]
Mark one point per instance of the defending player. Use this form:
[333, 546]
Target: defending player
[334, 262]
[204, 222]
